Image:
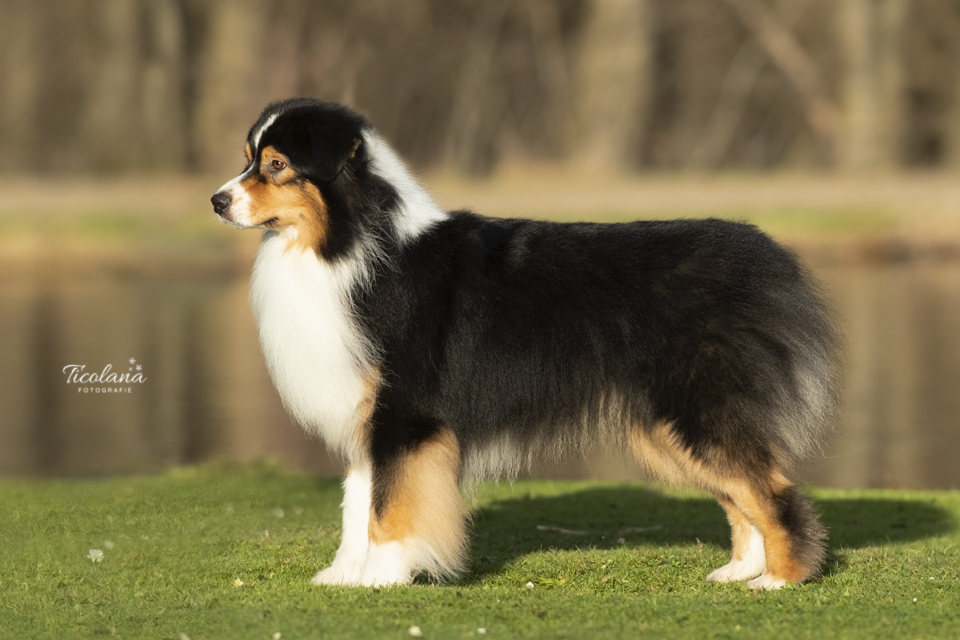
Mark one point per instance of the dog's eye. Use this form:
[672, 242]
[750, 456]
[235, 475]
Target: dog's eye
[278, 165]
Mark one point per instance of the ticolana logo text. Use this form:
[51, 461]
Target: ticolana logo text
[106, 380]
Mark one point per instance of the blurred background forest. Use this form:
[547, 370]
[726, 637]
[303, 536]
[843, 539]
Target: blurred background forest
[110, 86]
[834, 125]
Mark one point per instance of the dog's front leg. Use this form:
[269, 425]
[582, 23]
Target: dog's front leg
[347, 566]
[417, 521]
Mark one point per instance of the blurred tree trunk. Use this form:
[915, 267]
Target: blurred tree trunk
[551, 69]
[109, 131]
[228, 90]
[951, 151]
[931, 50]
[476, 99]
[162, 92]
[284, 31]
[870, 35]
[20, 67]
[614, 83]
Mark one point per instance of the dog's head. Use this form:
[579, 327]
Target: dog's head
[295, 154]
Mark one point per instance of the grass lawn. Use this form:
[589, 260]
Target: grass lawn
[605, 561]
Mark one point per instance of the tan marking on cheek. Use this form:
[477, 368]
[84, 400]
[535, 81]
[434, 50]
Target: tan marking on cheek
[313, 222]
[296, 203]
[424, 501]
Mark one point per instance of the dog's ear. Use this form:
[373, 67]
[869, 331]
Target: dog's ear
[331, 150]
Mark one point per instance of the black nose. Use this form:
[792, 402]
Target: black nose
[221, 202]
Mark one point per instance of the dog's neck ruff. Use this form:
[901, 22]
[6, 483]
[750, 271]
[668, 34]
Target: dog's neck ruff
[416, 211]
[321, 365]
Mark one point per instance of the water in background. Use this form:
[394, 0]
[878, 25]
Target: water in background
[207, 393]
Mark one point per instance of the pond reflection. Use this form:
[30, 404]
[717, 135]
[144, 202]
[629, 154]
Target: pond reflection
[206, 392]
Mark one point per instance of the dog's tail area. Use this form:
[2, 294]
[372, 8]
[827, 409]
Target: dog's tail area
[805, 393]
[759, 394]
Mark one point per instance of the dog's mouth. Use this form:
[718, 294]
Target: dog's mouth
[222, 202]
[222, 219]
[270, 223]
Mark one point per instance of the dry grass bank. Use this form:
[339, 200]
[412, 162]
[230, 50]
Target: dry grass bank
[164, 224]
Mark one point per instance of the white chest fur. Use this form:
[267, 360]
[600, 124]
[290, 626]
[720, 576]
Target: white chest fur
[318, 361]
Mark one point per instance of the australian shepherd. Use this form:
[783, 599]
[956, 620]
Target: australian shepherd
[430, 346]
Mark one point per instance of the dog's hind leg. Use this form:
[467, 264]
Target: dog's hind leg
[351, 557]
[417, 521]
[775, 531]
[747, 559]
[792, 537]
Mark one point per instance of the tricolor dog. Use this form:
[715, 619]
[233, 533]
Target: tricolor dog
[430, 346]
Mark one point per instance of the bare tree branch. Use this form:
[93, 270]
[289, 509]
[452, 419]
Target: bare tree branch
[821, 112]
[738, 83]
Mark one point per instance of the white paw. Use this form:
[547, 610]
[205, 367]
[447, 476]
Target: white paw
[339, 574]
[735, 570]
[387, 564]
[766, 581]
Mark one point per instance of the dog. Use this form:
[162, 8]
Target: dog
[430, 346]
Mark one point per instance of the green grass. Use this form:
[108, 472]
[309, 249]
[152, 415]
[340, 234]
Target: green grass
[178, 543]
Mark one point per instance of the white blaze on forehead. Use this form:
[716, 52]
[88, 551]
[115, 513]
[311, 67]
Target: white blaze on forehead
[259, 132]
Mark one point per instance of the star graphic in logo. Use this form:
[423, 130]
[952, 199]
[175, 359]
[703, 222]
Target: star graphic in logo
[139, 367]
[133, 361]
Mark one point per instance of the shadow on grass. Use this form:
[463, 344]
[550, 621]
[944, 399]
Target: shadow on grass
[599, 518]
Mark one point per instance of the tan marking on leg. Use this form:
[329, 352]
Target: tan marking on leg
[758, 506]
[739, 529]
[424, 505]
[662, 452]
[748, 559]
[652, 450]
[361, 437]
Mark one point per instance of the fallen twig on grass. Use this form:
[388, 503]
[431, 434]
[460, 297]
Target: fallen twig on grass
[576, 532]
